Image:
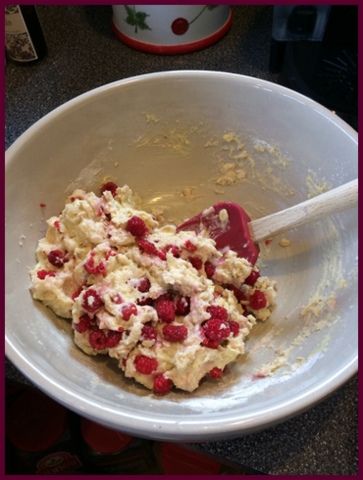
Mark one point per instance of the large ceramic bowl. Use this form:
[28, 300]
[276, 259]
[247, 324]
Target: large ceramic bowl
[170, 136]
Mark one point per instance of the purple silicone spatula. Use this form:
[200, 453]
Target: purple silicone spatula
[230, 226]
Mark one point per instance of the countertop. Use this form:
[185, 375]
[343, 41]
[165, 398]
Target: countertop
[84, 54]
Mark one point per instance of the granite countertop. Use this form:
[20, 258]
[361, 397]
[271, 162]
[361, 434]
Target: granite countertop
[84, 54]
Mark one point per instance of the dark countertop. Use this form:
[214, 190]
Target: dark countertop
[84, 54]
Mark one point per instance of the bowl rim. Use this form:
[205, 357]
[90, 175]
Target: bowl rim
[73, 102]
[160, 426]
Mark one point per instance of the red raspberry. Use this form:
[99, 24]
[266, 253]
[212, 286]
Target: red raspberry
[252, 278]
[145, 301]
[165, 310]
[92, 269]
[101, 268]
[144, 285]
[57, 258]
[182, 306]
[92, 300]
[128, 309]
[116, 298]
[175, 333]
[237, 292]
[215, 373]
[136, 226]
[148, 332]
[98, 339]
[258, 300]
[161, 254]
[85, 323]
[109, 186]
[189, 245]
[207, 342]
[113, 338]
[111, 253]
[209, 269]
[77, 293]
[234, 326]
[162, 385]
[145, 365]
[174, 249]
[41, 274]
[169, 295]
[216, 311]
[196, 262]
[147, 247]
[216, 329]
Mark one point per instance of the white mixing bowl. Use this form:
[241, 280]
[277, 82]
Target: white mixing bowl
[161, 133]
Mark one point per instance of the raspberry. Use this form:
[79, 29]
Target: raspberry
[91, 268]
[258, 300]
[41, 274]
[77, 293]
[189, 245]
[216, 329]
[196, 262]
[116, 298]
[85, 323]
[148, 332]
[136, 226]
[252, 278]
[215, 373]
[109, 186]
[165, 310]
[234, 326]
[57, 258]
[89, 264]
[128, 309]
[98, 340]
[174, 249]
[166, 296]
[92, 300]
[145, 301]
[113, 338]
[209, 269]
[111, 253]
[147, 247]
[144, 285]
[182, 306]
[145, 365]
[162, 385]
[161, 254]
[210, 343]
[237, 292]
[175, 333]
[216, 311]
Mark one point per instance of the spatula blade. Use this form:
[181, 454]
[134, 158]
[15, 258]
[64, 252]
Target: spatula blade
[227, 225]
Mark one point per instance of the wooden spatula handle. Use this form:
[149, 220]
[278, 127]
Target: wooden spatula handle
[333, 201]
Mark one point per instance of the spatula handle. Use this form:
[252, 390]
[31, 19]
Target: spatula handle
[333, 201]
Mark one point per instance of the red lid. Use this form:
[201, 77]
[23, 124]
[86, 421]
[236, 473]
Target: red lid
[177, 460]
[103, 439]
[35, 422]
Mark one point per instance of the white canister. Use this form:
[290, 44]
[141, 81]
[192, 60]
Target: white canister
[170, 29]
